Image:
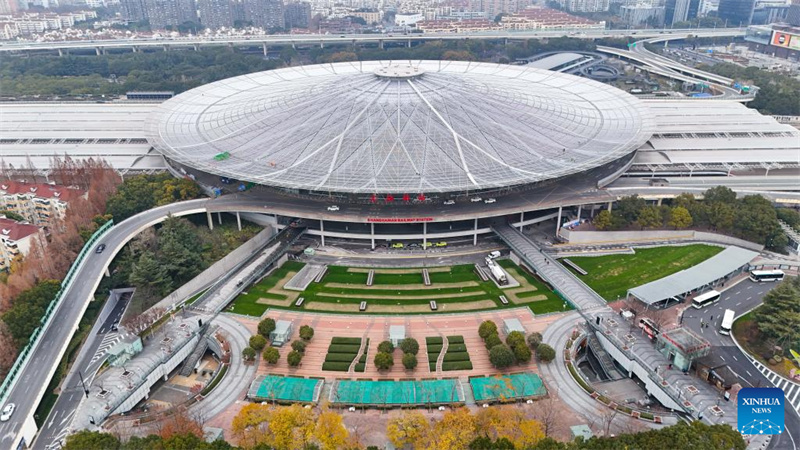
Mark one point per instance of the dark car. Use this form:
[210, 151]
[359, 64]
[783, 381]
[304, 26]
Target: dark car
[100, 248]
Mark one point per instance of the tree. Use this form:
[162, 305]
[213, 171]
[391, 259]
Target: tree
[306, 333]
[246, 425]
[487, 328]
[509, 424]
[248, 354]
[266, 326]
[522, 353]
[385, 347]
[271, 355]
[330, 431]
[779, 316]
[788, 215]
[602, 221]
[409, 346]
[409, 361]
[408, 428]
[534, 339]
[545, 353]
[299, 346]
[455, 430]
[501, 356]
[515, 338]
[149, 275]
[720, 216]
[630, 207]
[258, 342]
[493, 340]
[383, 360]
[719, 194]
[294, 357]
[650, 217]
[91, 440]
[679, 218]
[291, 426]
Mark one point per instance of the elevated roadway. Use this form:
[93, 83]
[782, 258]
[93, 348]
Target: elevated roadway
[311, 39]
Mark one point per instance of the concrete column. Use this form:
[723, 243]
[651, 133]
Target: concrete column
[60, 52]
[558, 221]
[580, 208]
[238, 221]
[409, 43]
[108, 273]
[475, 235]
[210, 220]
[264, 47]
[196, 47]
[219, 218]
[659, 202]
[521, 218]
[380, 44]
[135, 49]
[322, 232]
[166, 48]
[609, 206]
[97, 50]
[321, 45]
[372, 234]
[424, 234]
[592, 212]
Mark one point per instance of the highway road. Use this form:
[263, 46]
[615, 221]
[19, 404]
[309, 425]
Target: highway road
[741, 298]
[315, 39]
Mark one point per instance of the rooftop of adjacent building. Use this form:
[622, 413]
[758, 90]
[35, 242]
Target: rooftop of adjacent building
[13, 230]
[42, 190]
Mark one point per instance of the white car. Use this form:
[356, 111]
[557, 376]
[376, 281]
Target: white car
[333, 208]
[449, 202]
[490, 200]
[7, 412]
[476, 199]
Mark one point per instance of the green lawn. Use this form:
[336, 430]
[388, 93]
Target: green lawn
[611, 276]
[248, 303]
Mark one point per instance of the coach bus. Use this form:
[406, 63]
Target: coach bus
[727, 322]
[703, 300]
[766, 275]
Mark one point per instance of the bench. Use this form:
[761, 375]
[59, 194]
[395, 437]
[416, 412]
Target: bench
[300, 301]
[362, 306]
[503, 300]
[433, 306]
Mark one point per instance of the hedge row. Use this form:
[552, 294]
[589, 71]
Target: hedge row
[456, 365]
[359, 367]
[455, 339]
[340, 357]
[340, 348]
[432, 366]
[346, 340]
[363, 358]
[336, 366]
[434, 348]
[456, 356]
[456, 348]
[435, 340]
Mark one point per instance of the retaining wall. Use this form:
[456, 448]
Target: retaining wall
[613, 237]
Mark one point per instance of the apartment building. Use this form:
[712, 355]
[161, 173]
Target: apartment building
[16, 239]
[39, 204]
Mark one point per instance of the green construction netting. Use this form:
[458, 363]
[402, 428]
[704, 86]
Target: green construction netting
[285, 388]
[501, 387]
[396, 392]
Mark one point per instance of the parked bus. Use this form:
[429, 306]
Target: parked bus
[727, 322]
[703, 300]
[649, 327]
[766, 275]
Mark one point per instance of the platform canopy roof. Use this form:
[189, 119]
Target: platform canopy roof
[714, 268]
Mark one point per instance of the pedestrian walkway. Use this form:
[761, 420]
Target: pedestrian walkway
[791, 389]
[562, 281]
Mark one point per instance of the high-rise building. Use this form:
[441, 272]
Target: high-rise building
[8, 6]
[641, 14]
[707, 6]
[267, 14]
[586, 5]
[298, 15]
[134, 10]
[736, 12]
[237, 11]
[164, 13]
[793, 15]
[215, 14]
[680, 11]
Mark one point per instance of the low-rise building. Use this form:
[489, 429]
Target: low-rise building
[40, 204]
[457, 26]
[16, 239]
[547, 19]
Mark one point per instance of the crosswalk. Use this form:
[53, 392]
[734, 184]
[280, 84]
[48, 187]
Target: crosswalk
[792, 390]
[108, 341]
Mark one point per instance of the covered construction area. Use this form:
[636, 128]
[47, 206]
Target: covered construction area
[501, 388]
[710, 273]
[397, 393]
[266, 388]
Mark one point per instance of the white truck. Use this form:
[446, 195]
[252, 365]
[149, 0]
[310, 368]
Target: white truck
[498, 273]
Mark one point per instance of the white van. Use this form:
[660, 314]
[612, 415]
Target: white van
[494, 254]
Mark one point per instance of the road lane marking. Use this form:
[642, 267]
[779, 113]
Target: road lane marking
[749, 287]
[748, 373]
[738, 292]
[735, 358]
[749, 298]
[738, 304]
[721, 357]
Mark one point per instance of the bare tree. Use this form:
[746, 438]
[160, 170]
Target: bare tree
[545, 411]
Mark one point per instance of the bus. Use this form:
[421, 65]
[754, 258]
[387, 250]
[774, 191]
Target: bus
[703, 300]
[727, 322]
[766, 275]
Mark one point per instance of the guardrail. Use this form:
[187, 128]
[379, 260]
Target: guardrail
[66, 284]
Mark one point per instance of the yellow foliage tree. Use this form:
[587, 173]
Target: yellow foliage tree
[247, 425]
[455, 431]
[509, 423]
[291, 427]
[330, 431]
[408, 428]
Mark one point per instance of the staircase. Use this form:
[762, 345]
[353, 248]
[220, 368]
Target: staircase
[197, 353]
[605, 360]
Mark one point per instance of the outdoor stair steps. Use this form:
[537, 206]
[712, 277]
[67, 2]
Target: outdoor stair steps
[604, 358]
[426, 278]
[361, 349]
[197, 353]
[370, 276]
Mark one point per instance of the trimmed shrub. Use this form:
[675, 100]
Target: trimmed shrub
[458, 356]
[522, 353]
[306, 333]
[271, 355]
[383, 361]
[294, 358]
[386, 347]
[410, 346]
[339, 348]
[492, 341]
[248, 354]
[359, 367]
[534, 339]
[432, 366]
[501, 356]
[266, 326]
[545, 353]
[409, 361]
[435, 348]
[299, 346]
[336, 366]
[340, 357]
[515, 338]
[346, 340]
[486, 329]
[456, 365]
[363, 358]
[456, 348]
[258, 342]
[433, 340]
[455, 340]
